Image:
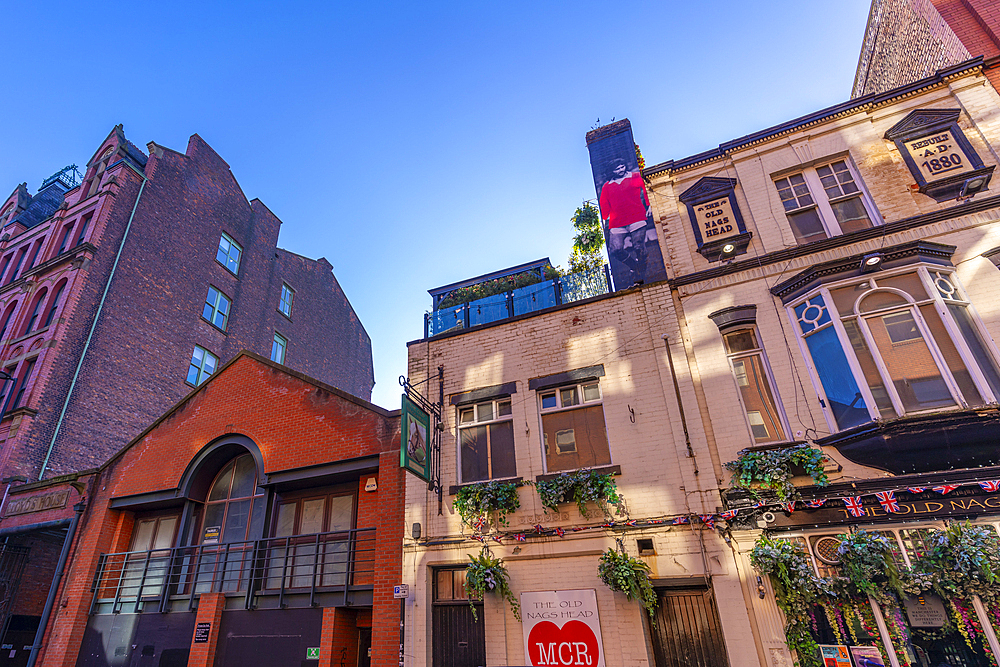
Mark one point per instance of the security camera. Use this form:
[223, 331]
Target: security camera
[768, 517]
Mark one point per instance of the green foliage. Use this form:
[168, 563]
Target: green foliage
[492, 500]
[773, 469]
[588, 242]
[487, 574]
[493, 287]
[620, 572]
[866, 563]
[963, 560]
[581, 487]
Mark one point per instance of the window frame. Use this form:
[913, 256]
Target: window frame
[283, 345]
[220, 295]
[201, 376]
[928, 275]
[286, 303]
[821, 201]
[228, 254]
[497, 418]
[732, 358]
[542, 393]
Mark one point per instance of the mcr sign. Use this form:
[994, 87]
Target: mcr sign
[562, 629]
[572, 644]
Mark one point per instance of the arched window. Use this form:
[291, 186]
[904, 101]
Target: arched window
[234, 510]
[35, 312]
[8, 315]
[54, 303]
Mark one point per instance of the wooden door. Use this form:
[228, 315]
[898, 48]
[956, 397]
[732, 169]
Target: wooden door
[688, 632]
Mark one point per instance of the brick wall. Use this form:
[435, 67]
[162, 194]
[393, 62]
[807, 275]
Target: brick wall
[151, 320]
[303, 424]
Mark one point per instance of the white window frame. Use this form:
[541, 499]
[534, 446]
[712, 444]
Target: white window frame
[476, 421]
[202, 375]
[820, 200]
[229, 254]
[282, 344]
[736, 356]
[285, 304]
[928, 274]
[559, 407]
[219, 296]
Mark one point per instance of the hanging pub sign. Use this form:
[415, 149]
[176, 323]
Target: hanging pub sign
[561, 629]
[414, 446]
[938, 154]
[715, 216]
[626, 216]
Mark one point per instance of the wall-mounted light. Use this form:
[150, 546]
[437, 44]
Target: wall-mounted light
[872, 262]
[972, 187]
[761, 591]
[728, 251]
[416, 531]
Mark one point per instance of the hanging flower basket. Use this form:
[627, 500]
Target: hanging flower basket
[628, 575]
[487, 574]
[482, 504]
[581, 487]
[773, 469]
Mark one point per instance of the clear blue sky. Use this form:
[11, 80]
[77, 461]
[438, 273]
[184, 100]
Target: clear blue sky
[413, 144]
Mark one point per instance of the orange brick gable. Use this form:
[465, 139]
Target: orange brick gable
[296, 423]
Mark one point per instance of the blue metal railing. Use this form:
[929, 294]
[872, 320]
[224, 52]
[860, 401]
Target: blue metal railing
[548, 293]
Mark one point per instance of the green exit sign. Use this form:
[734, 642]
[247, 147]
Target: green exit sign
[312, 653]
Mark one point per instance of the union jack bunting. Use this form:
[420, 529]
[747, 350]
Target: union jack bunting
[498, 539]
[728, 514]
[944, 488]
[577, 529]
[560, 532]
[479, 538]
[758, 505]
[519, 537]
[916, 489]
[991, 486]
[887, 499]
[538, 528]
[630, 522]
[708, 520]
[789, 507]
[479, 524]
[813, 504]
[854, 506]
[681, 520]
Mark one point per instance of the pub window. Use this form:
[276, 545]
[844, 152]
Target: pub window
[486, 440]
[826, 201]
[234, 511]
[756, 387]
[573, 431]
[896, 344]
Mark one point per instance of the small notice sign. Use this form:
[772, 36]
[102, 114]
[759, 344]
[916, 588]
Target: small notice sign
[211, 535]
[202, 632]
[925, 611]
[401, 591]
[312, 653]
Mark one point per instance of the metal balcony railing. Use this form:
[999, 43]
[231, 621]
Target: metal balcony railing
[282, 567]
[548, 293]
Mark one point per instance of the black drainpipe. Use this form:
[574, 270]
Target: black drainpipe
[56, 579]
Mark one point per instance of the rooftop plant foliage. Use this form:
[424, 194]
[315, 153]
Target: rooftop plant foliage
[496, 286]
[588, 240]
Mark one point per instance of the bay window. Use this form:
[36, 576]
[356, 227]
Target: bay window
[882, 346]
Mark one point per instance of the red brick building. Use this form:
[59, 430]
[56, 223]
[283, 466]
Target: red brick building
[265, 504]
[908, 40]
[119, 293]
